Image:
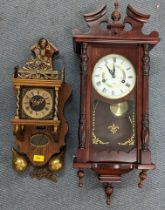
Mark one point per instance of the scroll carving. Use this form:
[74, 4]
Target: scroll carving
[114, 26]
[95, 19]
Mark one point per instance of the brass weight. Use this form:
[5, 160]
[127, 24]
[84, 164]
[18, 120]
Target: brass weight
[19, 162]
[56, 163]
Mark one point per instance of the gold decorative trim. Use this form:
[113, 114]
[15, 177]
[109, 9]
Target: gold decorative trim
[113, 128]
[18, 101]
[56, 107]
[17, 127]
[130, 141]
[95, 139]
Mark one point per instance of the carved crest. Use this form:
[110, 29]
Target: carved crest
[39, 66]
[114, 29]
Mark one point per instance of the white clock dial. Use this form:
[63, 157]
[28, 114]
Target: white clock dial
[113, 76]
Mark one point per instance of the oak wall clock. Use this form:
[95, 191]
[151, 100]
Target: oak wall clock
[39, 124]
[114, 115]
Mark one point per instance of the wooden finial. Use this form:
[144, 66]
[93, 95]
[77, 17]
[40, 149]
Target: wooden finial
[116, 14]
[116, 5]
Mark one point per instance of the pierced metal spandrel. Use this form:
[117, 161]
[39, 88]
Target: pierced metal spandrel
[40, 65]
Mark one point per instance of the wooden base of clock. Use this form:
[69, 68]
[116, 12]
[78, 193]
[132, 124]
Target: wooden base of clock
[39, 124]
[114, 125]
[109, 173]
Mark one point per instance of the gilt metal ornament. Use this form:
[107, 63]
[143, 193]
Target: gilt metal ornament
[39, 66]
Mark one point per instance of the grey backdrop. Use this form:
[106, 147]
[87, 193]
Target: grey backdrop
[22, 23]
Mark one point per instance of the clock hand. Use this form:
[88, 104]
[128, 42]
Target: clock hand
[110, 71]
[103, 77]
[114, 69]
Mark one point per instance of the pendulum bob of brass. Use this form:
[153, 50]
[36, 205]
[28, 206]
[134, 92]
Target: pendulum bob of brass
[19, 162]
[56, 163]
[119, 109]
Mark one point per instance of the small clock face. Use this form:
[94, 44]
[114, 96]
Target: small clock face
[37, 103]
[113, 76]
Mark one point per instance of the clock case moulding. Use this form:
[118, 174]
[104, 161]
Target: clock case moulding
[114, 36]
[38, 72]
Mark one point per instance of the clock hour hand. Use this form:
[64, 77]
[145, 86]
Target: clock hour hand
[103, 77]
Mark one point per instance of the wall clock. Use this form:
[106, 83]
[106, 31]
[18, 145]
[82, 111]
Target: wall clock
[39, 124]
[114, 116]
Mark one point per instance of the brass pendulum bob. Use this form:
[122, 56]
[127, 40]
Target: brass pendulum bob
[119, 109]
[19, 162]
[56, 163]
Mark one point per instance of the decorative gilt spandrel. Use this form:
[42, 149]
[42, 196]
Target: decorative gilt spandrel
[39, 66]
[116, 127]
[95, 139]
[130, 141]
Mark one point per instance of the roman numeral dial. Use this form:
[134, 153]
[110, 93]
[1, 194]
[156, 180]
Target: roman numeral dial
[113, 76]
[37, 103]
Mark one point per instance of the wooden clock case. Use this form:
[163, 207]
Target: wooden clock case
[133, 44]
[38, 74]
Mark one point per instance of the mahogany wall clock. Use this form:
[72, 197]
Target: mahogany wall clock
[114, 116]
[39, 124]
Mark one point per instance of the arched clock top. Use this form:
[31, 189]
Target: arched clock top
[94, 19]
[139, 17]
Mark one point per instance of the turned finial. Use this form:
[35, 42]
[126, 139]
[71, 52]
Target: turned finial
[116, 14]
[116, 5]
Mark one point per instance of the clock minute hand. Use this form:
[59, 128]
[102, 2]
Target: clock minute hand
[111, 72]
[114, 69]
